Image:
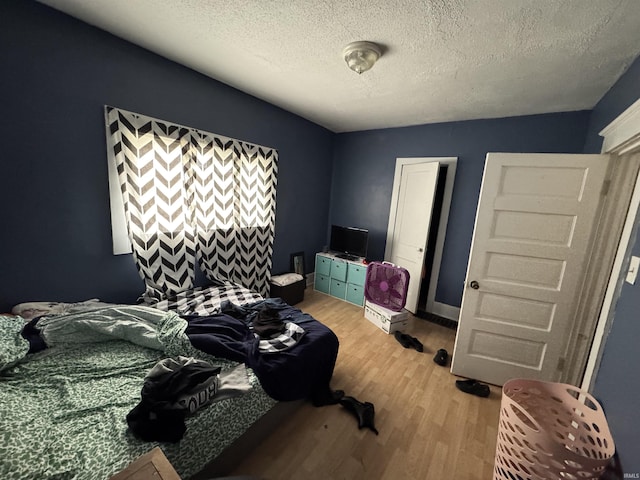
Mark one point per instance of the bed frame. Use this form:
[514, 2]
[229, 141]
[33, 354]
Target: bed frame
[232, 456]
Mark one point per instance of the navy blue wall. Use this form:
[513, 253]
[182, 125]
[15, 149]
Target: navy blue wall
[617, 384]
[57, 73]
[364, 164]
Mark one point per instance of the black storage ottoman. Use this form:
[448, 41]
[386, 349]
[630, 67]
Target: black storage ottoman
[291, 292]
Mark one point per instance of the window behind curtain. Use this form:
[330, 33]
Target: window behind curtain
[182, 195]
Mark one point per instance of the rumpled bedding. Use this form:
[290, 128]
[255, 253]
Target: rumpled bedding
[63, 409]
[300, 372]
[13, 347]
[143, 326]
[206, 300]
[32, 310]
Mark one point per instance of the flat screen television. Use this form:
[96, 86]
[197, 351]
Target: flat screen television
[349, 242]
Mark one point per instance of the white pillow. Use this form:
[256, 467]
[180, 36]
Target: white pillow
[286, 279]
[30, 310]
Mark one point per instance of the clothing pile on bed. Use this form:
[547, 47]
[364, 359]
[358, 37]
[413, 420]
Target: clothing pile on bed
[175, 388]
[295, 363]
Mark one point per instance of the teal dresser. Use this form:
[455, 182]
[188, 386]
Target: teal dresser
[343, 279]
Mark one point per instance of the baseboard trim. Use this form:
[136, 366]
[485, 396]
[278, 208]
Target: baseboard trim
[430, 317]
[446, 311]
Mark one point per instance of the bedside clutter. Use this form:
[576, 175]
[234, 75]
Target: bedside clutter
[289, 287]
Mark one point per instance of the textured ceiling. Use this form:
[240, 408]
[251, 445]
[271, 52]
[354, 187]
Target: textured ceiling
[443, 60]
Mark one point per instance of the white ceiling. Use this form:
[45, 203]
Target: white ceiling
[443, 60]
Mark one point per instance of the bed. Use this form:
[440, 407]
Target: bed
[63, 407]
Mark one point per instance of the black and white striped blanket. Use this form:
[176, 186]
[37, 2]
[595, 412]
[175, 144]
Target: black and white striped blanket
[207, 300]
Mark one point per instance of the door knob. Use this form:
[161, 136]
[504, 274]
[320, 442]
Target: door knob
[475, 285]
[420, 249]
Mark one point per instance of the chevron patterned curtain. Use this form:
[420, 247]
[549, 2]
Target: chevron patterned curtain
[235, 200]
[188, 194]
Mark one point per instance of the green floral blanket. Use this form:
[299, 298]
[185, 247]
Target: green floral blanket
[62, 410]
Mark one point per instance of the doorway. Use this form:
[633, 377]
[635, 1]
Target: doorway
[430, 243]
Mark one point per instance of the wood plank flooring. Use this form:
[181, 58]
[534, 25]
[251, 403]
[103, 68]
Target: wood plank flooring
[428, 428]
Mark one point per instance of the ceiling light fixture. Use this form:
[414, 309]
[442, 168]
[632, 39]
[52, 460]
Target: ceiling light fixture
[360, 56]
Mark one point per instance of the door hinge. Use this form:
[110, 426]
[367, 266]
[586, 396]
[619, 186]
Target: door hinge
[605, 187]
[560, 366]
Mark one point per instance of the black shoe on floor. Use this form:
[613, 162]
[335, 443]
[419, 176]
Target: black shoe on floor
[473, 387]
[404, 339]
[364, 412]
[415, 343]
[441, 357]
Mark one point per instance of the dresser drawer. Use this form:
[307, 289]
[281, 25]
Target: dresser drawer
[338, 288]
[339, 270]
[356, 274]
[322, 283]
[323, 265]
[355, 294]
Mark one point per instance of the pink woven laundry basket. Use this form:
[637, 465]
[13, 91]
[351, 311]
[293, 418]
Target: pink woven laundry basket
[550, 431]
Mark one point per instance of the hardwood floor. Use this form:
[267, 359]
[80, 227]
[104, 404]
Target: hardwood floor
[428, 428]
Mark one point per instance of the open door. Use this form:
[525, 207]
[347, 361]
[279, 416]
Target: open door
[533, 232]
[409, 223]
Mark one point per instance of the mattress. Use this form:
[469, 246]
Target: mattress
[66, 390]
[63, 410]
[62, 415]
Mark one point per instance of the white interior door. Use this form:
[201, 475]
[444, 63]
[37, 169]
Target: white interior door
[409, 223]
[534, 222]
